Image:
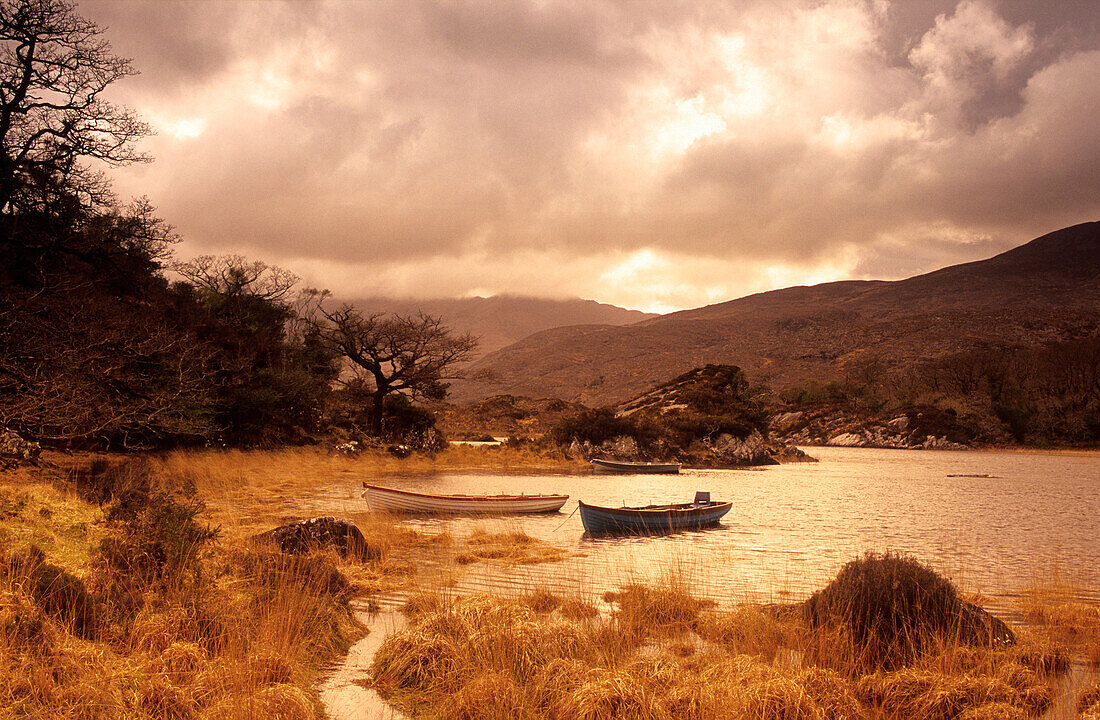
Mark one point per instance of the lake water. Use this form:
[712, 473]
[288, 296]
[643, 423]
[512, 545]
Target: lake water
[1036, 517]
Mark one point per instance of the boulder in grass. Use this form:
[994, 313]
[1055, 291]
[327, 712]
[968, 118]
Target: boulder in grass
[978, 627]
[321, 533]
[14, 450]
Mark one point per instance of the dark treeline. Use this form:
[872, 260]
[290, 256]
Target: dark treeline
[99, 346]
[1036, 395]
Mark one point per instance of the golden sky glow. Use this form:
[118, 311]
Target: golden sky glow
[655, 155]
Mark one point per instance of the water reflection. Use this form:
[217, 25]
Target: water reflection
[991, 521]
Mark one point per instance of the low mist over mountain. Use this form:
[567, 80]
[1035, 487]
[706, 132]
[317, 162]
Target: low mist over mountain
[503, 319]
[1046, 290]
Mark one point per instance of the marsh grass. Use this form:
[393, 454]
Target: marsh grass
[136, 608]
[230, 628]
[662, 652]
[1072, 626]
[510, 548]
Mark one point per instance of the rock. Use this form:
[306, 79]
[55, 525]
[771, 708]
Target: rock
[351, 448]
[318, 533]
[791, 454]
[787, 419]
[751, 450]
[978, 627]
[579, 450]
[899, 424]
[847, 440]
[14, 449]
[399, 451]
[940, 443]
[623, 448]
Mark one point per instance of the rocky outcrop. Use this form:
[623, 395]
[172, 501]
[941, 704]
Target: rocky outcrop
[320, 533]
[620, 448]
[723, 451]
[919, 429]
[750, 450]
[15, 450]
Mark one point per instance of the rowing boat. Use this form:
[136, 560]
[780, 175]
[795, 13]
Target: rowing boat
[621, 467]
[653, 518]
[405, 501]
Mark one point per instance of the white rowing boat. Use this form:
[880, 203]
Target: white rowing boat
[405, 501]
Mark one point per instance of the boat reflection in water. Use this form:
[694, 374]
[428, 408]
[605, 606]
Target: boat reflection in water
[653, 519]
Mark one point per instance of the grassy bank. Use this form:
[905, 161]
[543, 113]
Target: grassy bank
[117, 600]
[662, 652]
[129, 587]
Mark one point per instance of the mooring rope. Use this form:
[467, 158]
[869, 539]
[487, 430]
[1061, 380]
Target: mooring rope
[559, 527]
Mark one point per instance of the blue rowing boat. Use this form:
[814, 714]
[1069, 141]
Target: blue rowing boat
[653, 518]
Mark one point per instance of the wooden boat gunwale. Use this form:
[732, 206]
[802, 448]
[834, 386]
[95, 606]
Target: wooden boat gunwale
[461, 496]
[410, 502]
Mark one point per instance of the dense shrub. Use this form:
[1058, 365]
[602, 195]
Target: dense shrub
[598, 426]
[156, 539]
[888, 606]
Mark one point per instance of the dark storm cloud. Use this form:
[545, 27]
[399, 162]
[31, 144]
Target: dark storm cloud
[653, 154]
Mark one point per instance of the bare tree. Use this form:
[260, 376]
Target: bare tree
[411, 354]
[235, 276]
[54, 66]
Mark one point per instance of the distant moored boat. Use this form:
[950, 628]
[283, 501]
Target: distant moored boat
[629, 468]
[405, 501]
[653, 518]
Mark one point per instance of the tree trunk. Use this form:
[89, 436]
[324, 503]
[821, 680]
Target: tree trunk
[376, 413]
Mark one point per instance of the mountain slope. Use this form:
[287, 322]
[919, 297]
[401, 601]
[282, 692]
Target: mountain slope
[1048, 289]
[503, 319]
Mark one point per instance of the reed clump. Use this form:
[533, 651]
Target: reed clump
[886, 610]
[662, 653]
[512, 548]
[1089, 704]
[144, 611]
[1065, 622]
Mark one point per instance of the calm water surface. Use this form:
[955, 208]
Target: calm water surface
[1036, 517]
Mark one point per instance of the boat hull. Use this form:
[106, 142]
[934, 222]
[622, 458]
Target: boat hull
[619, 467]
[404, 501]
[653, 519]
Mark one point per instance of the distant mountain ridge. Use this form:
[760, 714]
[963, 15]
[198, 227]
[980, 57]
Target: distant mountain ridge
[1045, 290]
[501, 320]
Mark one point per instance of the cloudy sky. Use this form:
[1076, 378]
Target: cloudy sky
[655, 155]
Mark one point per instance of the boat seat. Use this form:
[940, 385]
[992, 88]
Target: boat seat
[702, 498]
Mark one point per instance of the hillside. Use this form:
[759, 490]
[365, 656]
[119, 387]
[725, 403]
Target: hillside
[503, 319]
[1046, 290]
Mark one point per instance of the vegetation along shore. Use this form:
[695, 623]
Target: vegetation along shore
[136, 588]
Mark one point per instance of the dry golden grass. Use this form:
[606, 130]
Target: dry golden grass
[248, 640]
[241, 633]
[1089, 703]
[509, 548]
[663, 653]
[1063, 621]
